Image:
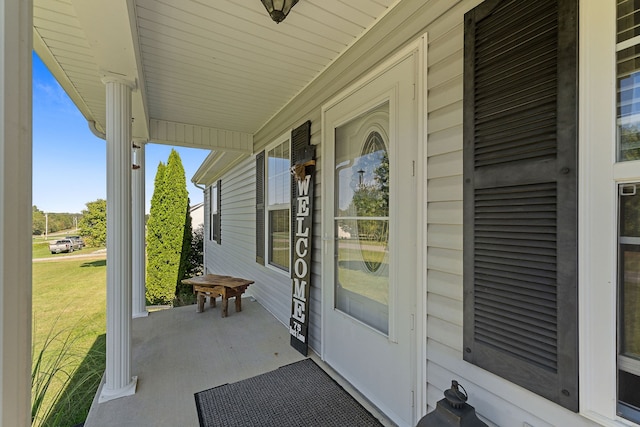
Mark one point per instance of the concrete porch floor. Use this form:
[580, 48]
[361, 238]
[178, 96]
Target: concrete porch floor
[179, 352]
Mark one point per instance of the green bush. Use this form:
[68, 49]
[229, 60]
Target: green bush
[167, 235]
[195, 267]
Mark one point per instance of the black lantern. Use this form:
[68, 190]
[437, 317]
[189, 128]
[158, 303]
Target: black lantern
[452, 411]
[278, 9]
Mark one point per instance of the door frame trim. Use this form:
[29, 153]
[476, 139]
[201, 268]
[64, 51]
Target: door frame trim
[419, 357]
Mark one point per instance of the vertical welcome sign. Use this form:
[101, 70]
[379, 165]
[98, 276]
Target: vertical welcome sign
[302, 208]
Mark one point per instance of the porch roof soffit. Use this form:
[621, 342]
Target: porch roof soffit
[81, 42]
[407, 20]
[194, 136]
[220, 68]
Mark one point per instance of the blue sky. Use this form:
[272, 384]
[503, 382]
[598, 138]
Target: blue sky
[69, 162]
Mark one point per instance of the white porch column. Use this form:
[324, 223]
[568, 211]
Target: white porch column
[16, 30]
[118, 379]
[139, 258]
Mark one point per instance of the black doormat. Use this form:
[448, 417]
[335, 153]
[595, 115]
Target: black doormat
[296, 395]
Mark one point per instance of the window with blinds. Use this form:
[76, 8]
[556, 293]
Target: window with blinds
[629, 301]
[214, 221]
[628, 149]
[628, 80]
[215, 225]
[278, 198]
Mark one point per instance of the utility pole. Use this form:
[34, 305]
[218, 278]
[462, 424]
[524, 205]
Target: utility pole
[46, 225]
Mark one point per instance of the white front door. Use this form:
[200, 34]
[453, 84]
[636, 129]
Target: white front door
[369, 217]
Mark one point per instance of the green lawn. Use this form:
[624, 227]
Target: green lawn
[69, 299]
[353, 273]
[40, 249]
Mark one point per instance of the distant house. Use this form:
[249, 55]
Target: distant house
[197, 215]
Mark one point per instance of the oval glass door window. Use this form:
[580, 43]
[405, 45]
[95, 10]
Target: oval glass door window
[371, 200]
[362, 218]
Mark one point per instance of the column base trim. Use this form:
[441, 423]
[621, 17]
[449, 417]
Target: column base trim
[128, 390]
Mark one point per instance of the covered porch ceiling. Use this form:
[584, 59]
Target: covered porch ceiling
[208, 73]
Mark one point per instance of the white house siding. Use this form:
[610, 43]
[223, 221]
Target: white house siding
[236, 254]
[498, 401]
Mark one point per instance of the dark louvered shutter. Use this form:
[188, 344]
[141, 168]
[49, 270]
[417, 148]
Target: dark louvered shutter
[219, 219]
[260, 208]
[300, 140]
[520, 194]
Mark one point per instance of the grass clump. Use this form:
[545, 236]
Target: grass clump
[63, 377]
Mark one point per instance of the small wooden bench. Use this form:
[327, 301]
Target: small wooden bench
[213, 286]
[201, 293]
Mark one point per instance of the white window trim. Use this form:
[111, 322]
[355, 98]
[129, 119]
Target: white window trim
[599, 177]
[286, 137]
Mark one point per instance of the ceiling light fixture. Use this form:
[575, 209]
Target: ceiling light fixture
[278, 9]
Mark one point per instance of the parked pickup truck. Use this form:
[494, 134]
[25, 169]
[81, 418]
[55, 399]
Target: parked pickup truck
[78, 243]
[62, 245]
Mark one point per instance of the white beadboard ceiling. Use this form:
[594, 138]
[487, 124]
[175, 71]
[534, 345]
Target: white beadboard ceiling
[206, 71]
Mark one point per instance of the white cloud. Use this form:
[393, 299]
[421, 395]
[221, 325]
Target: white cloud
[49, 94]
